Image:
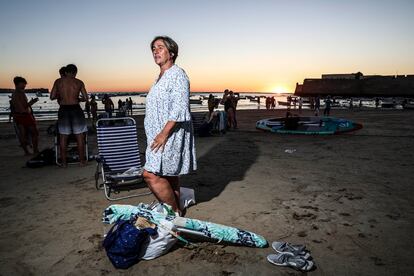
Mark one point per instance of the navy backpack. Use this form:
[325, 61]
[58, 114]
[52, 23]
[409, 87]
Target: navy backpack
[123, 243]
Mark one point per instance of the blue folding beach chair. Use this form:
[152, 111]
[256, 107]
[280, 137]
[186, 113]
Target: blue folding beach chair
[119, 161]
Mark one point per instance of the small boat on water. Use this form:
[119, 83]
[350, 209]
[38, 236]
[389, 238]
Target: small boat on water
[196, 101]
[40, 94]
[408, 106]
[282, 103]
[388, 105]
[307, 125]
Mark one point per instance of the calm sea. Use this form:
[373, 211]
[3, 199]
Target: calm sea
[45, 109]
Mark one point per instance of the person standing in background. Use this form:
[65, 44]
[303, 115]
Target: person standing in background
[120, 104]
[317, 105]
[228, 108]
[328, 103]
[109, 105]
[272, 102]
[211, 104]
[23, 116]
[11, 111]
[94, 110]
[267, 103]
[234, 99]
[69, 91]
[129, 106]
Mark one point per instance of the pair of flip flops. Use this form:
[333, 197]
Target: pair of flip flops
[290, 255]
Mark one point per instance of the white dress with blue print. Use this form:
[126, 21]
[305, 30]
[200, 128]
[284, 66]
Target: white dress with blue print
[169, 100]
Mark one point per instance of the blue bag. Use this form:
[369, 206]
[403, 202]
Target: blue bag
[123, 243]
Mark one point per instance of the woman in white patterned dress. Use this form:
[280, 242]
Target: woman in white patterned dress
[168, 126]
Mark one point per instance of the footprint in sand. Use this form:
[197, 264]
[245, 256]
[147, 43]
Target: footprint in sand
[213, 254]
[302, 234]
[306, 216]
[394, 216]
[309, 207]
[6, 201]
[344, 214]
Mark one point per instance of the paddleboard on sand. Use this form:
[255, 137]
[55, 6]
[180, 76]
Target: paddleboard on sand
[308, 125]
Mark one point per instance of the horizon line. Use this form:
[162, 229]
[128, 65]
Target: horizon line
[143, 92]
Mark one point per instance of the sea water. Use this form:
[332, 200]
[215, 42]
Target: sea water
[45, 109]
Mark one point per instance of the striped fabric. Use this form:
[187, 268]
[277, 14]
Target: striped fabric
[118, 147]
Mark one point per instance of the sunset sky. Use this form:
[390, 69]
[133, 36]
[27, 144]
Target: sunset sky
[249, 46]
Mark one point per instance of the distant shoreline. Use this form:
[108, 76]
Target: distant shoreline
[33, 90]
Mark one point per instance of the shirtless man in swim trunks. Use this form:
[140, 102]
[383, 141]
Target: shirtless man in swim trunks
[23, 116]
[69, 91]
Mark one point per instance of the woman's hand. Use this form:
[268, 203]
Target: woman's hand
[159, 141]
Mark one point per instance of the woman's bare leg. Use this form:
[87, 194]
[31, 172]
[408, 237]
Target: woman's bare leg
[175, 184]
[162, 189]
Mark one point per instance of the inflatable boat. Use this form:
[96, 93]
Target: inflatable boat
[308, 125]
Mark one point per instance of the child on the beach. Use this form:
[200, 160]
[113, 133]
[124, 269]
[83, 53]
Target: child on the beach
[23, 116]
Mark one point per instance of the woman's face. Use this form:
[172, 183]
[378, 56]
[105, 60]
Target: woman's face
[160, 53]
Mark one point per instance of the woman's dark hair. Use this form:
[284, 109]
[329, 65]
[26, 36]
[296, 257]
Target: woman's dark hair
[171, 45]
[71, 69]
[18, 80]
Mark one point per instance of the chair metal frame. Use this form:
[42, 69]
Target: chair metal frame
[71, 144]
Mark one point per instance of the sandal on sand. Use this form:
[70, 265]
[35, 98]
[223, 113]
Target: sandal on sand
[293, 249]
[289, 260]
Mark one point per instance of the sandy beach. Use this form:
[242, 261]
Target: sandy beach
[347, 197]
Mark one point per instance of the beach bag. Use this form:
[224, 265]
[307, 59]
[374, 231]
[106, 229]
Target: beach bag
[123, 243]
[160, 244]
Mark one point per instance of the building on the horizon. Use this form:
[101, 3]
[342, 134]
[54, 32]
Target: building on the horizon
[357, 85]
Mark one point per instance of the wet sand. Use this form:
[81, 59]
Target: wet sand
[347, 197]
